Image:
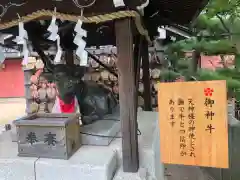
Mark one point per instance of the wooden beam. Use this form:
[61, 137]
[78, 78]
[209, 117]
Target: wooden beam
[127, 93]
[146, 77]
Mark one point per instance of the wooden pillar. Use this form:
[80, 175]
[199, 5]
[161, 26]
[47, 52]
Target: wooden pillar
[127, 93]
[69, 56]
[146, 77]
[137, 58]
[137, 64]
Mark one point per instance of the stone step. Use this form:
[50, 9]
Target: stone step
[13, 167]
[88, 163]
[100, 133]
[149, 146]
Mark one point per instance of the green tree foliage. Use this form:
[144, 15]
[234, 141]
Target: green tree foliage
[217, 32]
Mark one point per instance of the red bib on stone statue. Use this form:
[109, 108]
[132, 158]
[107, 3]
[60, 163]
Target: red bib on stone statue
[67, 108]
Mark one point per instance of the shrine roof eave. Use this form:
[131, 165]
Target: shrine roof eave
[164, 12]
[174, 11]
[11, 11]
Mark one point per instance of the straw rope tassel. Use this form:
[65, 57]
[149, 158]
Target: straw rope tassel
[92, 19]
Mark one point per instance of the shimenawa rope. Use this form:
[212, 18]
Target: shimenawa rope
[92, 19]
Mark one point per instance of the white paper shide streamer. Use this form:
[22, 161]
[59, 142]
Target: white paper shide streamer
[22, 39]
[162, 33]
[80, 52]
[118, 3]
[53, 29]
[58, 56]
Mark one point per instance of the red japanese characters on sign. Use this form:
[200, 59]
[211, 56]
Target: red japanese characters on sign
[209, 114]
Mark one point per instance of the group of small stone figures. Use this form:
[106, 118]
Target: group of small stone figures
[43, 94]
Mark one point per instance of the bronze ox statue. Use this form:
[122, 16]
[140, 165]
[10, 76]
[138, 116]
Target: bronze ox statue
[95, 101]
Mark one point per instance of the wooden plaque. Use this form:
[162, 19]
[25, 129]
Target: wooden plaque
[193, 123]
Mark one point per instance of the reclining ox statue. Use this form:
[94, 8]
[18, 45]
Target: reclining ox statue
[94, 100]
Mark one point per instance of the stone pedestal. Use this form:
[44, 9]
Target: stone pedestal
[102, 132]
[89, 162]
[13, 167]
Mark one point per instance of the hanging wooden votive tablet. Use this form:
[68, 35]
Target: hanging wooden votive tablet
[115, 89]
[111, 61]
[104, 75]
[112, 77]
[95, 76]
[141, 87]
[155, 85]
[39, 64]
[93, 63]
[29, 66]
[156, 73]
[104, 59]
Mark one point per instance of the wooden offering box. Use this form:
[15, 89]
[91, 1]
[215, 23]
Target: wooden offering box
[55, 136]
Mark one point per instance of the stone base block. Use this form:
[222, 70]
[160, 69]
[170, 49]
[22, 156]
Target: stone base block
[140, 175]
[149, 148]
[13, 167]
[88, 163]
[100, 133]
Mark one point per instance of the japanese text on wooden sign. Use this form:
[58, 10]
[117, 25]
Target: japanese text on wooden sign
[193, 123]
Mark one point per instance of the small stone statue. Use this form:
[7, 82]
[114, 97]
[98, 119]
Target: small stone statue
[42, 96]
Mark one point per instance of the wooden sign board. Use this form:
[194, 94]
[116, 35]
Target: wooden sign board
[193, 123]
